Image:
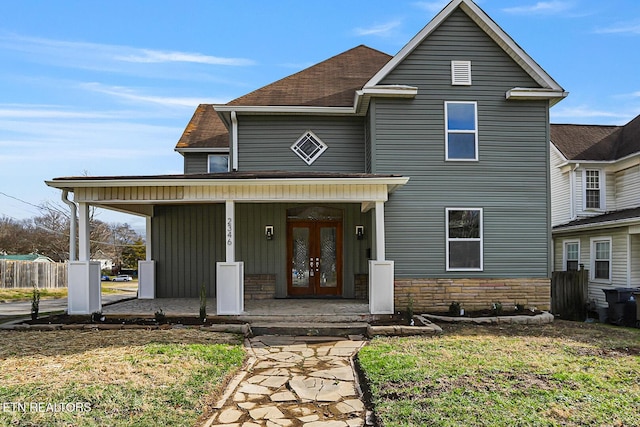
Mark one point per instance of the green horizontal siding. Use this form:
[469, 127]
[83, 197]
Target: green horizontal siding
[265, 143]
[196, 163]
[510, 180]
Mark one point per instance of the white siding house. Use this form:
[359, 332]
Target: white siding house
[595, 203]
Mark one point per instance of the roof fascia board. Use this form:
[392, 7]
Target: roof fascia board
[492, 29]
[89, 183]
[554, 96]
[201, 150]
[609, 165]
[362, 97]
[283, 109]
[599, 225]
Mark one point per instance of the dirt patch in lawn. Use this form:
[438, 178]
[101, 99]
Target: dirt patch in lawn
[66, 319]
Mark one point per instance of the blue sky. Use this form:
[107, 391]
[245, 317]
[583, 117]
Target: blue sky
[106, 87]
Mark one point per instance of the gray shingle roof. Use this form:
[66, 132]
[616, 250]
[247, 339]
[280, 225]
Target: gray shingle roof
[598, 143]
[331, 83]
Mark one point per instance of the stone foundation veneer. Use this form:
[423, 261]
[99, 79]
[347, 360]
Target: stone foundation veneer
[259, 286]
[435, 295]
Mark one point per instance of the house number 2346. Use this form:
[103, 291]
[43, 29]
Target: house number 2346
[229, 231]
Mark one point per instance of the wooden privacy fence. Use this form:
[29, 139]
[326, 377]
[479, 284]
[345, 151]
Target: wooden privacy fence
[26, 274]
[569, 294]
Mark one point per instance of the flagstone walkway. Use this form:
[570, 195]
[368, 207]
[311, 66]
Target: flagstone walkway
[294, 381]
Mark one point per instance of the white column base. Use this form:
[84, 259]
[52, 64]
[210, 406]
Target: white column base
[381, 275]
[229, 288]
[146, 279]
[84, 288]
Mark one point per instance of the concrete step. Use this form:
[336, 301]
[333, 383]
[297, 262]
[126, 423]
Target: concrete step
[302, 318]
[309, 328]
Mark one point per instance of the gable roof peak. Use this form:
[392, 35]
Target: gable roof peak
[494, 31]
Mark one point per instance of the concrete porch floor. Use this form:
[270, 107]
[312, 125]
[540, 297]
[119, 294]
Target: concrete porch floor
[322, 310]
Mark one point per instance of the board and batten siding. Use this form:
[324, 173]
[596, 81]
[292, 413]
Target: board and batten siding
[560, 191]
[265, 143]
[189, 239]
[510, 182]
[627, 188]
[196, 163]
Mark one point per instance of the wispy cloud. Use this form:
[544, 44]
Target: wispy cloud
[582, 113]
[541, 8]
[155, 56]
[377, 30]
[25, 113]
[621, 28]
[431, 6]
[104, 57]
[135, 96]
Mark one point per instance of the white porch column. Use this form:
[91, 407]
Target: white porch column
[84, 233]
[230, 274]
[84, 275]
[147, 270]
[229, 228]
[381, 271]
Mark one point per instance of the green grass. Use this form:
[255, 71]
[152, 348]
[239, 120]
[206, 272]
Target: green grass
[126, 378]
[24, 294]
[564, 374]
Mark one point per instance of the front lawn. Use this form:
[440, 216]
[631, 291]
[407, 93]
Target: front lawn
[113, 378]
[563, 374]
[25, 294]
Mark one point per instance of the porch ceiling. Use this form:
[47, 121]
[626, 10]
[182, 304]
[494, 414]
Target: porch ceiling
[138, 195]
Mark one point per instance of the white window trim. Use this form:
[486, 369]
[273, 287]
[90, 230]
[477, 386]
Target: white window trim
[564, 252]
[481, 239]
[446, 131]
[460, 67]
[602, 177]
[592, 262]
[309, 161]
[226, 153]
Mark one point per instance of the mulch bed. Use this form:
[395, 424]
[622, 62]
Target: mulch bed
[66, 319]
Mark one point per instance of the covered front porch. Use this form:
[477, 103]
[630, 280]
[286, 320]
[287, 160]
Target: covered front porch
[335, 310]
[218, 232]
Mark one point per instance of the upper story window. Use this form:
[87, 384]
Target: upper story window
[464, 239]
[592, 189]
[461, 130]
[218, 163]
[571, 255]
[309, 147]
[461, 73]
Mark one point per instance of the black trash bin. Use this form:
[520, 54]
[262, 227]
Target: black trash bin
[618, 299]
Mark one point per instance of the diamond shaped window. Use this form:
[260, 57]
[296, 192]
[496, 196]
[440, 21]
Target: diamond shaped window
[309, 147]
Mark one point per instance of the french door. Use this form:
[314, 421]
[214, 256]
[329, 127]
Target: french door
[314, 256]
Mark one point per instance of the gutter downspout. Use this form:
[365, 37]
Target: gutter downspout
[72, 226]
[234, 140]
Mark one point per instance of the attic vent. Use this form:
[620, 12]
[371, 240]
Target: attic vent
[309, 147]
[461, 73]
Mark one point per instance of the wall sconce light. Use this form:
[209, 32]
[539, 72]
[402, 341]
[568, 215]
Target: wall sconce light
[359, 232]
[268, 232]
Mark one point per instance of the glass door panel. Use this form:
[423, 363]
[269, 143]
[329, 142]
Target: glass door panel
[328, 257]
[314, 258]
[300, 272]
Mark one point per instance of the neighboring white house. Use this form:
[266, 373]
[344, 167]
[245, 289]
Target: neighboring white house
[595, 203]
